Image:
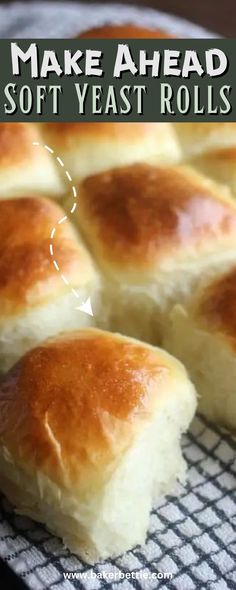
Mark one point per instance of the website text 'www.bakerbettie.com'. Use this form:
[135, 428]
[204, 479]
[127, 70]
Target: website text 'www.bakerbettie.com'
[114, 576]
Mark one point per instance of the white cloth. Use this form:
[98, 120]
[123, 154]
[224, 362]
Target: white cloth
[191, 536]
[64, 20]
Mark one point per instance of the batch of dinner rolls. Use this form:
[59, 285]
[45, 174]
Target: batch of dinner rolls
[93, 405]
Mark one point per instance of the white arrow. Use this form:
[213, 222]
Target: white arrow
[86, 307]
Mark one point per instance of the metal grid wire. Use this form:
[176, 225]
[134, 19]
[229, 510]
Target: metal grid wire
[192, 536]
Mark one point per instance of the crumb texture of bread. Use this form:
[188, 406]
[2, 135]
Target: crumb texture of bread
[90, 427]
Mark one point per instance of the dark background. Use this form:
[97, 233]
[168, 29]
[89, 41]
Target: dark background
[217, 15]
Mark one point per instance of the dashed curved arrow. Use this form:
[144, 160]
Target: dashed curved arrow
[86, 306]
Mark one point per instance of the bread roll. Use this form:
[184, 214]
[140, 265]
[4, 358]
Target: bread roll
[203, 336]
[88, 148]
[198, 138]
[24, 167]
[211, 149]
[127, 31]
[219, 164]
[90, 427]
[34, 301]
[154, 231]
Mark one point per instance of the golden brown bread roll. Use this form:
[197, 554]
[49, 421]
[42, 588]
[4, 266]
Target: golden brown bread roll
[203, 336]
[34, 301]
[90, 427]
[127, 31]
[154, 231]
[24, 167]
[88, 148]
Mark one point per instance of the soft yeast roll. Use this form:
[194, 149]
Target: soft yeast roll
[219, 164]
[127, 31]
[154, 231]
[34, 301]
[199, 138]
[203, 335]
[90, 427]
[23, 166]
[88, 148]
